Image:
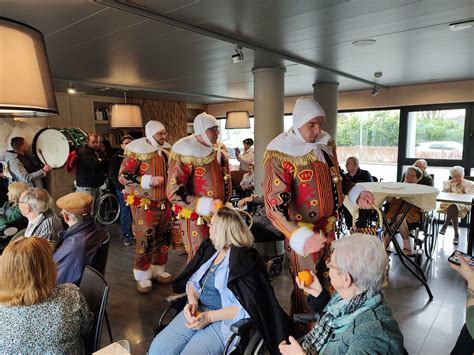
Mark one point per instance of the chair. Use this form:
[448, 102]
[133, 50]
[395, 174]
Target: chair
[96, 292]
[99, 263]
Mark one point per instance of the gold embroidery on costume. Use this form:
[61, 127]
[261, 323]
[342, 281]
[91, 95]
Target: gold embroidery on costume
[188, 159]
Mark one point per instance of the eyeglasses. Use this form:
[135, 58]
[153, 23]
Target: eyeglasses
[19, 201]
[331, 266]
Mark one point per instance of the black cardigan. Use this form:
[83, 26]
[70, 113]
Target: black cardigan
[248, 281]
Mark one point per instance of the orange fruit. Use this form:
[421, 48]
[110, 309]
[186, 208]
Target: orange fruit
[196, 313]
[305, 277]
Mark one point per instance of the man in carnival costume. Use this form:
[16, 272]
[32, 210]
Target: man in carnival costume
[304, 189]
[199, 181]
[144, 173]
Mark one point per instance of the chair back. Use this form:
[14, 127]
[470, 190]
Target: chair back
[96, 292]
[99, 262]
[375, 178]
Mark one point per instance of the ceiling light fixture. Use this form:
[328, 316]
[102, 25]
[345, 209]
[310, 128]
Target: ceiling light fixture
[71, 89]
[364, 42]
[461, 25]
[239, 56]
[126, 115]
[26, 88]
[237, 119]
[375, 91]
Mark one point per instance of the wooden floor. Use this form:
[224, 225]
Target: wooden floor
[428, 327]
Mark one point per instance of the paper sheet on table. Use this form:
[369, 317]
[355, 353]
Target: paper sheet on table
[113, 349]
[421, 196]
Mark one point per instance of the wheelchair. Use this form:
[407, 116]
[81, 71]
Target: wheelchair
[108, 210]
[427, 243]
[245, 338]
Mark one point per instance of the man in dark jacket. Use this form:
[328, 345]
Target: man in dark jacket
[3, 187]
[81, 241]
[125, 211]
[248, 281]
[90, 169]
[355, 174]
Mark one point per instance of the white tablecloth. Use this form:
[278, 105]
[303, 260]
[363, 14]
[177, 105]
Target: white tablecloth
[421, 196]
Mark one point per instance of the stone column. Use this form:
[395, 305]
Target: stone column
[326, 95]
[269, 94]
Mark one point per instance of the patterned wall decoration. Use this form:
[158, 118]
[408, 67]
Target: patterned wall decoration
[171, 114]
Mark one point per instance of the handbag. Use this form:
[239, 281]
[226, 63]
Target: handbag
[376, 229]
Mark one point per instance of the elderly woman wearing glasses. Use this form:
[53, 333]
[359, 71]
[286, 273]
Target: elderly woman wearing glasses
[225, 282]
[10, 213]
[356, 318]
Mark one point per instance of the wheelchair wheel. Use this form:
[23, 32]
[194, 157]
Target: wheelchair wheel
[109, 209]
[256, 345]
[274, 268]
[431, 237]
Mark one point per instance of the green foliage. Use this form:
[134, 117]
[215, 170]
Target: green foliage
[381, 128]
[373, 128]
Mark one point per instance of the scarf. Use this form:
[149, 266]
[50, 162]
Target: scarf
[337, 317]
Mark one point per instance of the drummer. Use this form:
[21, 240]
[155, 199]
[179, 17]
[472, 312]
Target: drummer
[23, 166]
[90, 169]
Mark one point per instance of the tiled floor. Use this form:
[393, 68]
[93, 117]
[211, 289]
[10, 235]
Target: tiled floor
[428, 327]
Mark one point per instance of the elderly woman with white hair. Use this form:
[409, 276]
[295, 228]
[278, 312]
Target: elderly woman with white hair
[457, 185]
[356, 318]
[225, 282]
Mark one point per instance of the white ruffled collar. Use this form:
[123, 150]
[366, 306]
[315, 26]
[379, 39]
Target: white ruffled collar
[142, 146]
[291, 144]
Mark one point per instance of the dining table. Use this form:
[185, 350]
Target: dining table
[411, 195]
[464, 199]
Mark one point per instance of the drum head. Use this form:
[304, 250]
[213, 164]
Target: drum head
[52, 147]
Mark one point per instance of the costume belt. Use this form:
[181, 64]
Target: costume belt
[131, 200]
[181, 212]
[325, 224]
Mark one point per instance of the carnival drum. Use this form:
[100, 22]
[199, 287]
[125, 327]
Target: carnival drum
[53, 145]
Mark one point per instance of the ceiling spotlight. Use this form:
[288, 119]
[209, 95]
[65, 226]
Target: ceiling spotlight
[374, 92]
[461, 25]
[71, 89]
[238, 56]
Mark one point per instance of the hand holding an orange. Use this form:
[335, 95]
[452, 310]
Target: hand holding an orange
[305, 277]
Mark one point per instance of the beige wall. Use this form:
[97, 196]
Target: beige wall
[436, 93]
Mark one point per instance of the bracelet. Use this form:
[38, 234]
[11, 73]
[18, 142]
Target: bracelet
[470, 294]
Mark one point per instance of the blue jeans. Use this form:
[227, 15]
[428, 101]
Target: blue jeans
[125, 216]
[177, 339]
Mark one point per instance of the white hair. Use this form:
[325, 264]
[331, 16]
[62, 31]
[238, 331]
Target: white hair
[38, 199]
[456, 169]
[363, 257]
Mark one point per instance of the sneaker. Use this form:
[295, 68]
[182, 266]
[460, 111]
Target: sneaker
[456, 240]
[442, 231]
[127, 241]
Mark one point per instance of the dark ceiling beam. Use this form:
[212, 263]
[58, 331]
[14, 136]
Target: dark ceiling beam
[96, 84]
[142, 11]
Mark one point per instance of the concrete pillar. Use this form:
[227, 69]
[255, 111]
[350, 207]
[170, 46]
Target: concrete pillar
[269, 94]
[326, 95]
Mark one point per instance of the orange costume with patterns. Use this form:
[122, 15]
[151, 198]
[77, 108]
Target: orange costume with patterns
[198, 175]
[150, 207]
[303, 190]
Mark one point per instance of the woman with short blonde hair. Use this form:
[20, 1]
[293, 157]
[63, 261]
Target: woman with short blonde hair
[225, 282]
[10, 213]
[36, 315]
[230, 230]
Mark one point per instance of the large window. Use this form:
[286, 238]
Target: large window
[435, 134]
[371, 136]
[232, 138]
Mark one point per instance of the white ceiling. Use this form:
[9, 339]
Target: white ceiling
[95, 45]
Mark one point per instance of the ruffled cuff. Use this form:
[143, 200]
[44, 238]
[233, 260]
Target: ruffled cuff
[204, 205]
[298, 239]
[145, 181]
